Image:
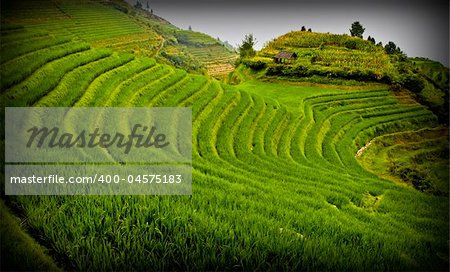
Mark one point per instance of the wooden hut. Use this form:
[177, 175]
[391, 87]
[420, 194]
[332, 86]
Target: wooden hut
[285, 57]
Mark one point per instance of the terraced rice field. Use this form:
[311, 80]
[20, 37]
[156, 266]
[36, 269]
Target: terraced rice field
[219, 62]
[79, 19]
[419, 158]
[114, 29]
[328, 54]
[274, 186]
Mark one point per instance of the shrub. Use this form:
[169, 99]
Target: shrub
[413, 83]
[350, 44]
[256, 63]
[275, 70]
[121, 9]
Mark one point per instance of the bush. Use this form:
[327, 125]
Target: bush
[275, 70]
[257, 63]
[328, 72]
[413, 83]
[293, 71]
[350, 44]
[121, 9]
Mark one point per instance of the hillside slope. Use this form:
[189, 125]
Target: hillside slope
[323, 54]
[122, 28]
[340, 58]
[276, 181]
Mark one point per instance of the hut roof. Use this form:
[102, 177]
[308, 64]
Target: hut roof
[285, 55]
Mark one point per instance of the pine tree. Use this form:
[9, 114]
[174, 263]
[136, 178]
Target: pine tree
[357, 30]
[246, 48]
[138, 5]
[391, 48]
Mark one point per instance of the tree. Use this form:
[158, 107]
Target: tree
[371, 39]
[138, 5]
[190, 28]
[303, 28]
[357, 30]
[391, 48]
[309, 30]
[246, 48]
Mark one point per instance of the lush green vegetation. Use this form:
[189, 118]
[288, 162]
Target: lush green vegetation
[323, 54]
[218, 61]
[197, 39]
[332, 58]
[18, 249]
[277, 182]
[419, 158]
[434, 71]
[433, 85]
[120, 27]
[187, 49]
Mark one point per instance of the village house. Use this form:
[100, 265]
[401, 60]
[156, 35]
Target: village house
[285, 57]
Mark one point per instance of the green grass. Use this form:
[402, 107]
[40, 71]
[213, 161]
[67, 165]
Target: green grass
[18, 249]
[47, 77]
[16, 70]
[290, 94]
[194, 38]
[104, 85]
[29, 45]
[71, 87]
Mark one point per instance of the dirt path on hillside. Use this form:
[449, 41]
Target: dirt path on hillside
[161, 46]
[362, 149]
